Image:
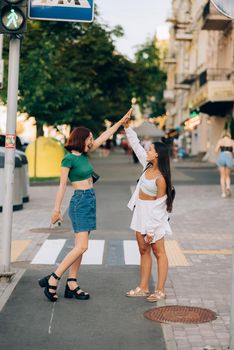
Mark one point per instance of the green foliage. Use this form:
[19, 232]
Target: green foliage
[150, 79]
[71, 73]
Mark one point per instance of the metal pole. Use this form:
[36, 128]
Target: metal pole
[9, 166]
[1, 61]
[231, 347]
[1, 45]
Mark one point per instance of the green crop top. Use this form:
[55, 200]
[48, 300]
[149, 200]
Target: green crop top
[80, 167]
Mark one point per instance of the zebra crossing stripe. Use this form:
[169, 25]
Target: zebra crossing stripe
[94, 254]
[131, 253]
[118, 253]
[49, 252]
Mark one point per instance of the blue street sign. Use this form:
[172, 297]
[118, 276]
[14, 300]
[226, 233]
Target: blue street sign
[62, 10]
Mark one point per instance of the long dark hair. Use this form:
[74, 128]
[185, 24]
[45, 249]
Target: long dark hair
[76, 141]
[164, 167]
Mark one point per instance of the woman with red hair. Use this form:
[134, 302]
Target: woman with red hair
[82, 210]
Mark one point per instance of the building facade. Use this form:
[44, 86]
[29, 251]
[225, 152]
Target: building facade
[200, 65]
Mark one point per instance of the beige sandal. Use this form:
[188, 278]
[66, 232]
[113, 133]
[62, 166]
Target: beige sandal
[138, 292]
[156, 296]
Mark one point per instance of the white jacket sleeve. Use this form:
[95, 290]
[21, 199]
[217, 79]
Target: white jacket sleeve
[136, 146]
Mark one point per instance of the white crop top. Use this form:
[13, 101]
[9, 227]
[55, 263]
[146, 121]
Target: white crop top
[149, 186]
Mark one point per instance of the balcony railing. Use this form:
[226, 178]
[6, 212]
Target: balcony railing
[170, 60]
[212, 19]
[182, 35]
[187, 79]
[213, 74]
[178, 18]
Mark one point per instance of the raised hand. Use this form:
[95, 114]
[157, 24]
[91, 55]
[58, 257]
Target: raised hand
[126, 119]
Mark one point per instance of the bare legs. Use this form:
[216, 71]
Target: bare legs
[222, 180]
[228, 180]
[73, 272]
[146, 262]
[225, 181]
[160, 254]
[72, 260]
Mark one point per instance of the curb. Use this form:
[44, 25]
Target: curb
[11, 286]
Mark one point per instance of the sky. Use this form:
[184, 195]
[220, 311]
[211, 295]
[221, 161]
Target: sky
[139, 18]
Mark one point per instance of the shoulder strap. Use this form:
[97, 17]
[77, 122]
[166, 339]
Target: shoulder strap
[147, 167]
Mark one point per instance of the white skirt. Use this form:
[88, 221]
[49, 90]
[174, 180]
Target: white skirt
[141, 216]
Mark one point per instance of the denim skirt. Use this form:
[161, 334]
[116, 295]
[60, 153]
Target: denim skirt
[82, 210]
[225, 160]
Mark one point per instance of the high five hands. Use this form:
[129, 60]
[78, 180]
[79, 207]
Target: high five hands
[126, 119]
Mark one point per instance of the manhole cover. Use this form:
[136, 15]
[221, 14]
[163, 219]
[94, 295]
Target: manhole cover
[182, 314]
[50, 230]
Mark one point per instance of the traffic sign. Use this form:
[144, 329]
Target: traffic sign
[226, 7]
[62, 10]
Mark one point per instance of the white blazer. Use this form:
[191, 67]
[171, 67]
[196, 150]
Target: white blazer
[158, 221]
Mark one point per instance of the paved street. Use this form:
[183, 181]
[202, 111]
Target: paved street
[200, 268]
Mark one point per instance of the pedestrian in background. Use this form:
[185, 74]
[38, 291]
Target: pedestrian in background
[225, 146]
[82, 209]
[151, 202]
[107, 147]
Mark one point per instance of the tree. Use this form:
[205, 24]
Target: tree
[70, 73]
[150, 79]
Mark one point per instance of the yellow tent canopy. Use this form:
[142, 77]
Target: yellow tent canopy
[44, 157]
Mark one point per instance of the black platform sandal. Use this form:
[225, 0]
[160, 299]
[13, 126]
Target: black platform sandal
[77, 292]
[44, 283]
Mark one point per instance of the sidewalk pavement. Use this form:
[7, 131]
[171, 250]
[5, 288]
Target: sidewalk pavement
[202, 227]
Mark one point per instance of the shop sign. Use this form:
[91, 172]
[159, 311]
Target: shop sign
[192, 123]
[199, 99]
[222, 92]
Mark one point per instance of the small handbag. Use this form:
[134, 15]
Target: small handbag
[95, 177]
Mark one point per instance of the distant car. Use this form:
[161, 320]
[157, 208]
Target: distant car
[19, 144]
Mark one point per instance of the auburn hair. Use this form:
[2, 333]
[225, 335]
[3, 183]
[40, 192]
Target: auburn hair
[76, 141]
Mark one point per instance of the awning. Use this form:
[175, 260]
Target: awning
[214, 98]
[148, 129]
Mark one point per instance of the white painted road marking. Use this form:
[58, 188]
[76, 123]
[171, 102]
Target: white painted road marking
[94, 254]
[49, 252]
[51, 248]
[131, 253]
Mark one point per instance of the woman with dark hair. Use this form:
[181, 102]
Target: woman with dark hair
[151, 202]
[82, 210]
